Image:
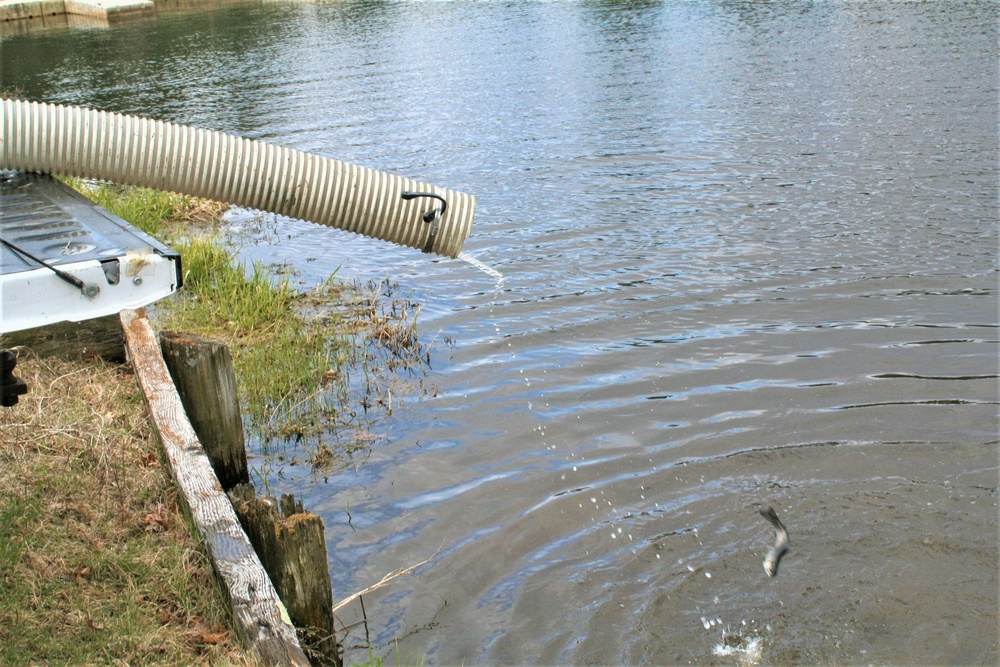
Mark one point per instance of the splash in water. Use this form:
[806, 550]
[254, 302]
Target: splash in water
[491, 272]
[748, 651]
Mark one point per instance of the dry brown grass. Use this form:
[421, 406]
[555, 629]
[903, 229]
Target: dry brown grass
[97, 561]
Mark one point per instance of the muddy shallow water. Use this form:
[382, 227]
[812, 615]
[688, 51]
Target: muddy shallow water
[749, 257]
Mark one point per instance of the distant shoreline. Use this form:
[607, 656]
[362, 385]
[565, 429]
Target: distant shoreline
[17, 10]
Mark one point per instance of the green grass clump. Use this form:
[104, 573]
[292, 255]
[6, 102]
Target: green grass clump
[223, 295]
[377, 661]
[283, 349]
[287, 345]
[291, 348]
[160, 214]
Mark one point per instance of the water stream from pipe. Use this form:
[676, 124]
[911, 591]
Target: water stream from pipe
[491, 272]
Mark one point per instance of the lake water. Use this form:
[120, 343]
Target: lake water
[749, 257]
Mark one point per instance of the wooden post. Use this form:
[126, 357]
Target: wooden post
[293, 551]
[259, 616]
[202, 369]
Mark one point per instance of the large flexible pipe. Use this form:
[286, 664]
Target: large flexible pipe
[87, 143]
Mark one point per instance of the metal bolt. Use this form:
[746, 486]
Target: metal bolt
[137, 280]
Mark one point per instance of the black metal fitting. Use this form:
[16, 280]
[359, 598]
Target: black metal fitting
[431, 217]
[434, 213]
[11, 386]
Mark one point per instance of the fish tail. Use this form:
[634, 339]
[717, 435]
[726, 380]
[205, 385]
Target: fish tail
[771, 516]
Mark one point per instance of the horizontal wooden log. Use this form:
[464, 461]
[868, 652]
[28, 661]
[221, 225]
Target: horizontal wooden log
[101, 336]
[260, 618]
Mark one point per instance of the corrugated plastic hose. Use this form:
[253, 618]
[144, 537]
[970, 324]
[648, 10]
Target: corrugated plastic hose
[76, 141]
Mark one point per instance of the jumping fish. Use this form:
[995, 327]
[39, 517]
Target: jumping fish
[781, 542]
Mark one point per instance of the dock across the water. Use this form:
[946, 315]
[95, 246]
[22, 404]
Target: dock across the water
[15, 10]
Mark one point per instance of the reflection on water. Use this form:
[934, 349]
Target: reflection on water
[744, 254]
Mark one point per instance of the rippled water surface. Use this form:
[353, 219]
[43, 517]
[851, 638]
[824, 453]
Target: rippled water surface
[749, 257]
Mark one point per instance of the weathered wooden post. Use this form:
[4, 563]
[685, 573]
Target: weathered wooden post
[293, 550]
[202, 369]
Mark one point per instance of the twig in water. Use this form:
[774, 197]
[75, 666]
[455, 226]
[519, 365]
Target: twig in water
[364, 615]
[385, 580]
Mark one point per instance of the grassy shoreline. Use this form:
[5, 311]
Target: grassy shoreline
[279, 353]
[98, 563]
[294, 349]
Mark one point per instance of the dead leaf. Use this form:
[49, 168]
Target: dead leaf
[207, 634]
[216, 636]
[158, 519]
